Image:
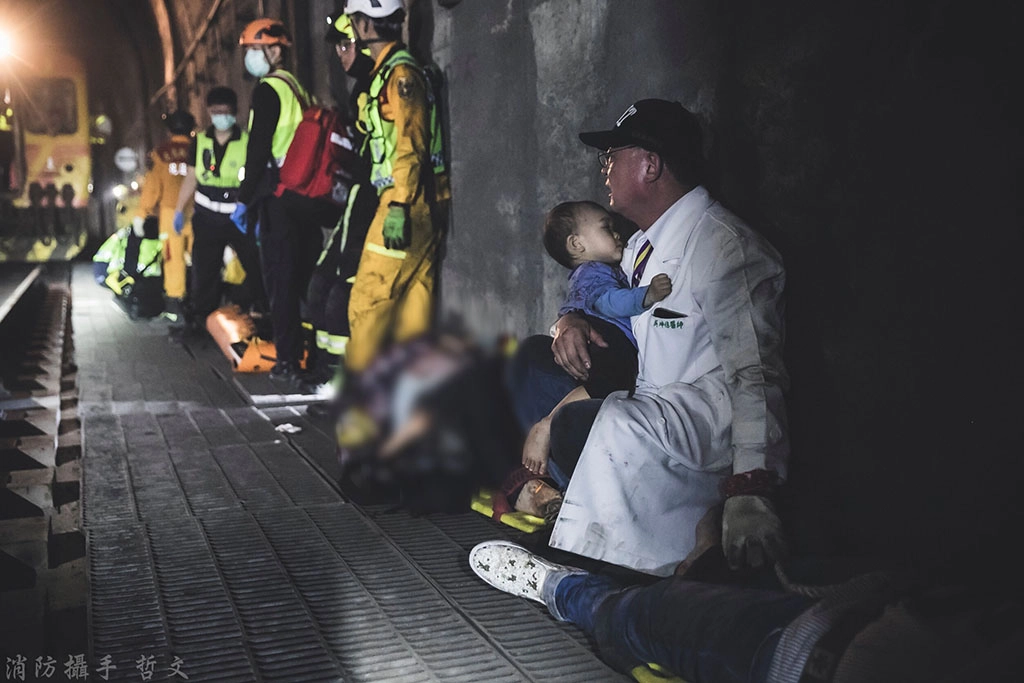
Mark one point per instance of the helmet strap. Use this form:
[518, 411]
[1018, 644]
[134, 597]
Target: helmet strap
[266, 53]
[361, 43]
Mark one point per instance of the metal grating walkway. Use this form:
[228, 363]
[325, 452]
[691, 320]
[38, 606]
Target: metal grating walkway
[219, 548]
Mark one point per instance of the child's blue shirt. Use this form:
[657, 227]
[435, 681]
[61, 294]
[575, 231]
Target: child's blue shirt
[602, 290]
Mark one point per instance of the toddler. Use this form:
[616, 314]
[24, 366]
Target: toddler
[581, 236]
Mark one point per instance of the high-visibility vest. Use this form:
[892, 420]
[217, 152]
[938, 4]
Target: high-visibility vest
[112, 250]
[381, 138]
[230, 168]
[217, 186]
[291, 112]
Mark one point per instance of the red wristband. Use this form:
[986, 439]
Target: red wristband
[752, 483]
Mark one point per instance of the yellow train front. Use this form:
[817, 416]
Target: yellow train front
[45, 155]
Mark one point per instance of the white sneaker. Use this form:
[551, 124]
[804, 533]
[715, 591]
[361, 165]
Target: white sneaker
[325, 391]
[513, 569]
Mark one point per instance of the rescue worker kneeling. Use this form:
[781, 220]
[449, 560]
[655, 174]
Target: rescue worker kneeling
[392, 297]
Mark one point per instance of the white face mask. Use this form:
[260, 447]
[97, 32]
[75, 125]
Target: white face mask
[223, 121]
[256, 62]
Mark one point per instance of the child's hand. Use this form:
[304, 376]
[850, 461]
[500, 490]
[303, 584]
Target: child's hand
[659, 288]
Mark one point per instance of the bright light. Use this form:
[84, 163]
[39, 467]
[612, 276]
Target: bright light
[6, 44]
[135, 186]
[119, 191]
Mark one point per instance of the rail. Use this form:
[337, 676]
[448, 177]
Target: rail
[14, 281]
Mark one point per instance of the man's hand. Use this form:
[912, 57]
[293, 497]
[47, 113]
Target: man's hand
[537, 447]
[660, 287]
[751, 532]
[396, 227]
[238, 217]
[179, 222]
[139, 226]
[572, 334]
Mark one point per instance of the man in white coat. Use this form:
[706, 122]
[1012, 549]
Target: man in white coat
[707, 420]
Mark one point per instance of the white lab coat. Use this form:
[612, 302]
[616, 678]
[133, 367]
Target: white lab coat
[708, 401]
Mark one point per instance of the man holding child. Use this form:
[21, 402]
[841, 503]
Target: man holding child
[707, 419]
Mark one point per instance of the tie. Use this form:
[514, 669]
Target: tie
[640, 262]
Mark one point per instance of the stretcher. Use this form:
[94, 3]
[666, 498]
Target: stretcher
[235, 334]
[483, 502]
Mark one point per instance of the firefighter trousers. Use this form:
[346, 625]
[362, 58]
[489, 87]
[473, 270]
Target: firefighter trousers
[175, 247]
[392, 299]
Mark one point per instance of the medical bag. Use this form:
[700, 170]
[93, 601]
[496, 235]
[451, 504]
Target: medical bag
[321, 161]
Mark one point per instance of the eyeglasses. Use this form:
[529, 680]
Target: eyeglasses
[605, 158]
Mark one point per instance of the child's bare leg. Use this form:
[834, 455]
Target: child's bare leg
[538, 442]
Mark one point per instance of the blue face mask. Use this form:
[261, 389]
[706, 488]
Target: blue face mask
[256, 62]
[223, 121]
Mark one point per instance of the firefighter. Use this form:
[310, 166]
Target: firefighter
[168, 164]
[392, 298]
[216, 164]
[331, 284]
[289, 226]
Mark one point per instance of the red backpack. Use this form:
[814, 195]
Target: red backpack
[322, 161]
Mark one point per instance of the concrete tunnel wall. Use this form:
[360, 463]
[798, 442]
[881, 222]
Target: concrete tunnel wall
[877, 147]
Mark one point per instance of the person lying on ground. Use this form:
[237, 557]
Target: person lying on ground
[878, 627]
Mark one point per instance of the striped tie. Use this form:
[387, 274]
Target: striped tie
[640, 262]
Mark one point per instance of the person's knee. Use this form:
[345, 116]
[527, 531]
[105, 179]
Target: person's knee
[533, 352]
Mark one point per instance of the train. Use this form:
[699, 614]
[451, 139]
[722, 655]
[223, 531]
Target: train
[45, 155]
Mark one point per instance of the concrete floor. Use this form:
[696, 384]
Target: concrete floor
[221, 547]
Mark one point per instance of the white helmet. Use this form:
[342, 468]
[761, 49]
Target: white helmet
[376, 9]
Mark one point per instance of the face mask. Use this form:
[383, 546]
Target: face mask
[223, 121]
[256, 63]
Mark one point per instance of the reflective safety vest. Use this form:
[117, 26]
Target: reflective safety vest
[112, 250]
[217, 185]
[291, 112]
[381, 137]
[113, 253]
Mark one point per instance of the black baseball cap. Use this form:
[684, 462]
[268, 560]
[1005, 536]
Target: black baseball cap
[656, 125]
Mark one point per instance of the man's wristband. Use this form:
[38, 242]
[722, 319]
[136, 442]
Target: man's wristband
[752, 483]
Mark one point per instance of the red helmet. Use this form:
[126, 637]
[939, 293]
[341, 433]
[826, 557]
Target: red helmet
[265, 32]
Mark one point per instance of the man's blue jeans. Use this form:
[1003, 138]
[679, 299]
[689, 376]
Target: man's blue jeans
[699, 631]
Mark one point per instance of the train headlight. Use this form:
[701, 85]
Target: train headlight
[6, 45]
[119, 192]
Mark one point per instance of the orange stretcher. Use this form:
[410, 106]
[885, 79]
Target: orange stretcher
[235, 334]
